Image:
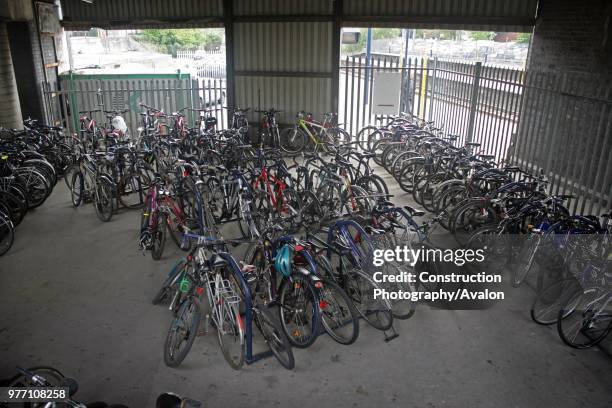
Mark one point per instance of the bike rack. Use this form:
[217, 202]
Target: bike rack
[248, 330]
[392, 335]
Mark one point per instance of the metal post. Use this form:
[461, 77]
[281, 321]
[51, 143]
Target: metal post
[368, 64]
[228, 16]
[474, 101]
[336, 36]
[433, 88]
[403, 91]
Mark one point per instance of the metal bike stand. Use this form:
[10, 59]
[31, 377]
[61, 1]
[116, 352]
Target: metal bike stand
[390, 334]
[249, 357]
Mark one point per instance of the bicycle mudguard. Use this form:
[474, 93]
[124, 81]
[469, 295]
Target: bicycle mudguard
[229, 259]
[448, 183]
[107, 178]
[414, 160]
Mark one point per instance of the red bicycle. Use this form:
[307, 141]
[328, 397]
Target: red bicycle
[162, 213]
[272, 196]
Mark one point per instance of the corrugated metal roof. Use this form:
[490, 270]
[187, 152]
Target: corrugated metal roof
[506, 15]
[282, 7]
[442, 8]
[141, 13]
[301, 47]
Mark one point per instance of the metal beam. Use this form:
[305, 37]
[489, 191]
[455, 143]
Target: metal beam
[335, 54]
[373, 21]
[110, 24]
[284, 18]
[290, 74]
[228, 17]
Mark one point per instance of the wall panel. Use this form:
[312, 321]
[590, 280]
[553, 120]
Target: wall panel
[291, 94]
[282, 7]
[297, 47]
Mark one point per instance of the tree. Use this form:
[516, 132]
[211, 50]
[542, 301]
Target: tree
[523, 38]
[382, 33]
[212, 40]
[170, 40]
[482, 35]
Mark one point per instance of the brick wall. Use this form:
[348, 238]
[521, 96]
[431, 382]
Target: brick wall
[572, 35]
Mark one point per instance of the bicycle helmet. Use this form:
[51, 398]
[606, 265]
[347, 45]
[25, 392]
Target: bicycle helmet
[282, 261]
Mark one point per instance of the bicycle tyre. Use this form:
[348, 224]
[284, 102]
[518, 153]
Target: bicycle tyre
[277, 340]
[299, 288]
[330, 301]
[191, 328]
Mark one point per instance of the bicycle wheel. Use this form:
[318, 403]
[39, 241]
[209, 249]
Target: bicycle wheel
[546, 306]
[292, 140]
[249, 220]
[372, 185]
[582, 322]
[15, 208]
[289, 209]
[77, 187]
[133, 189]
[338, 314]
[275, 338]
[175, 230]
[230, 327]
[372, 138]
[299, 310]
[68, 172]
[182, 332]
[7, 234]
[103, 199]
[402, 309]
[525, 258]
[355, 201]
[37, 186]
[469, 217]
[364, 135]
[361, 289]
[311, 208]
[158, 235]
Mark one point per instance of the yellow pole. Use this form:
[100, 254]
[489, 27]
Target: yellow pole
[423, 90]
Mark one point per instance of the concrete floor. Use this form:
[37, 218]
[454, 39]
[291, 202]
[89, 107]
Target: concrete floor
[75, 294]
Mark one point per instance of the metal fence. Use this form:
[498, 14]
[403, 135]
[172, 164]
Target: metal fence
[77, 93]
[551, 122]
[558, 123]
[211, 71]
[565, 131]
[475, 102]
[206, 63]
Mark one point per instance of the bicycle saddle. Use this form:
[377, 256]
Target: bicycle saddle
[365, 155]
[414, 212]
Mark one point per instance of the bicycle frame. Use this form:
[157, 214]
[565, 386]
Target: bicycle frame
[342, 227]
[306, 125]
[266, 178]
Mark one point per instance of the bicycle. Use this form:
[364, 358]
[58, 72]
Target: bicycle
[321, 134]
[214, 271]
